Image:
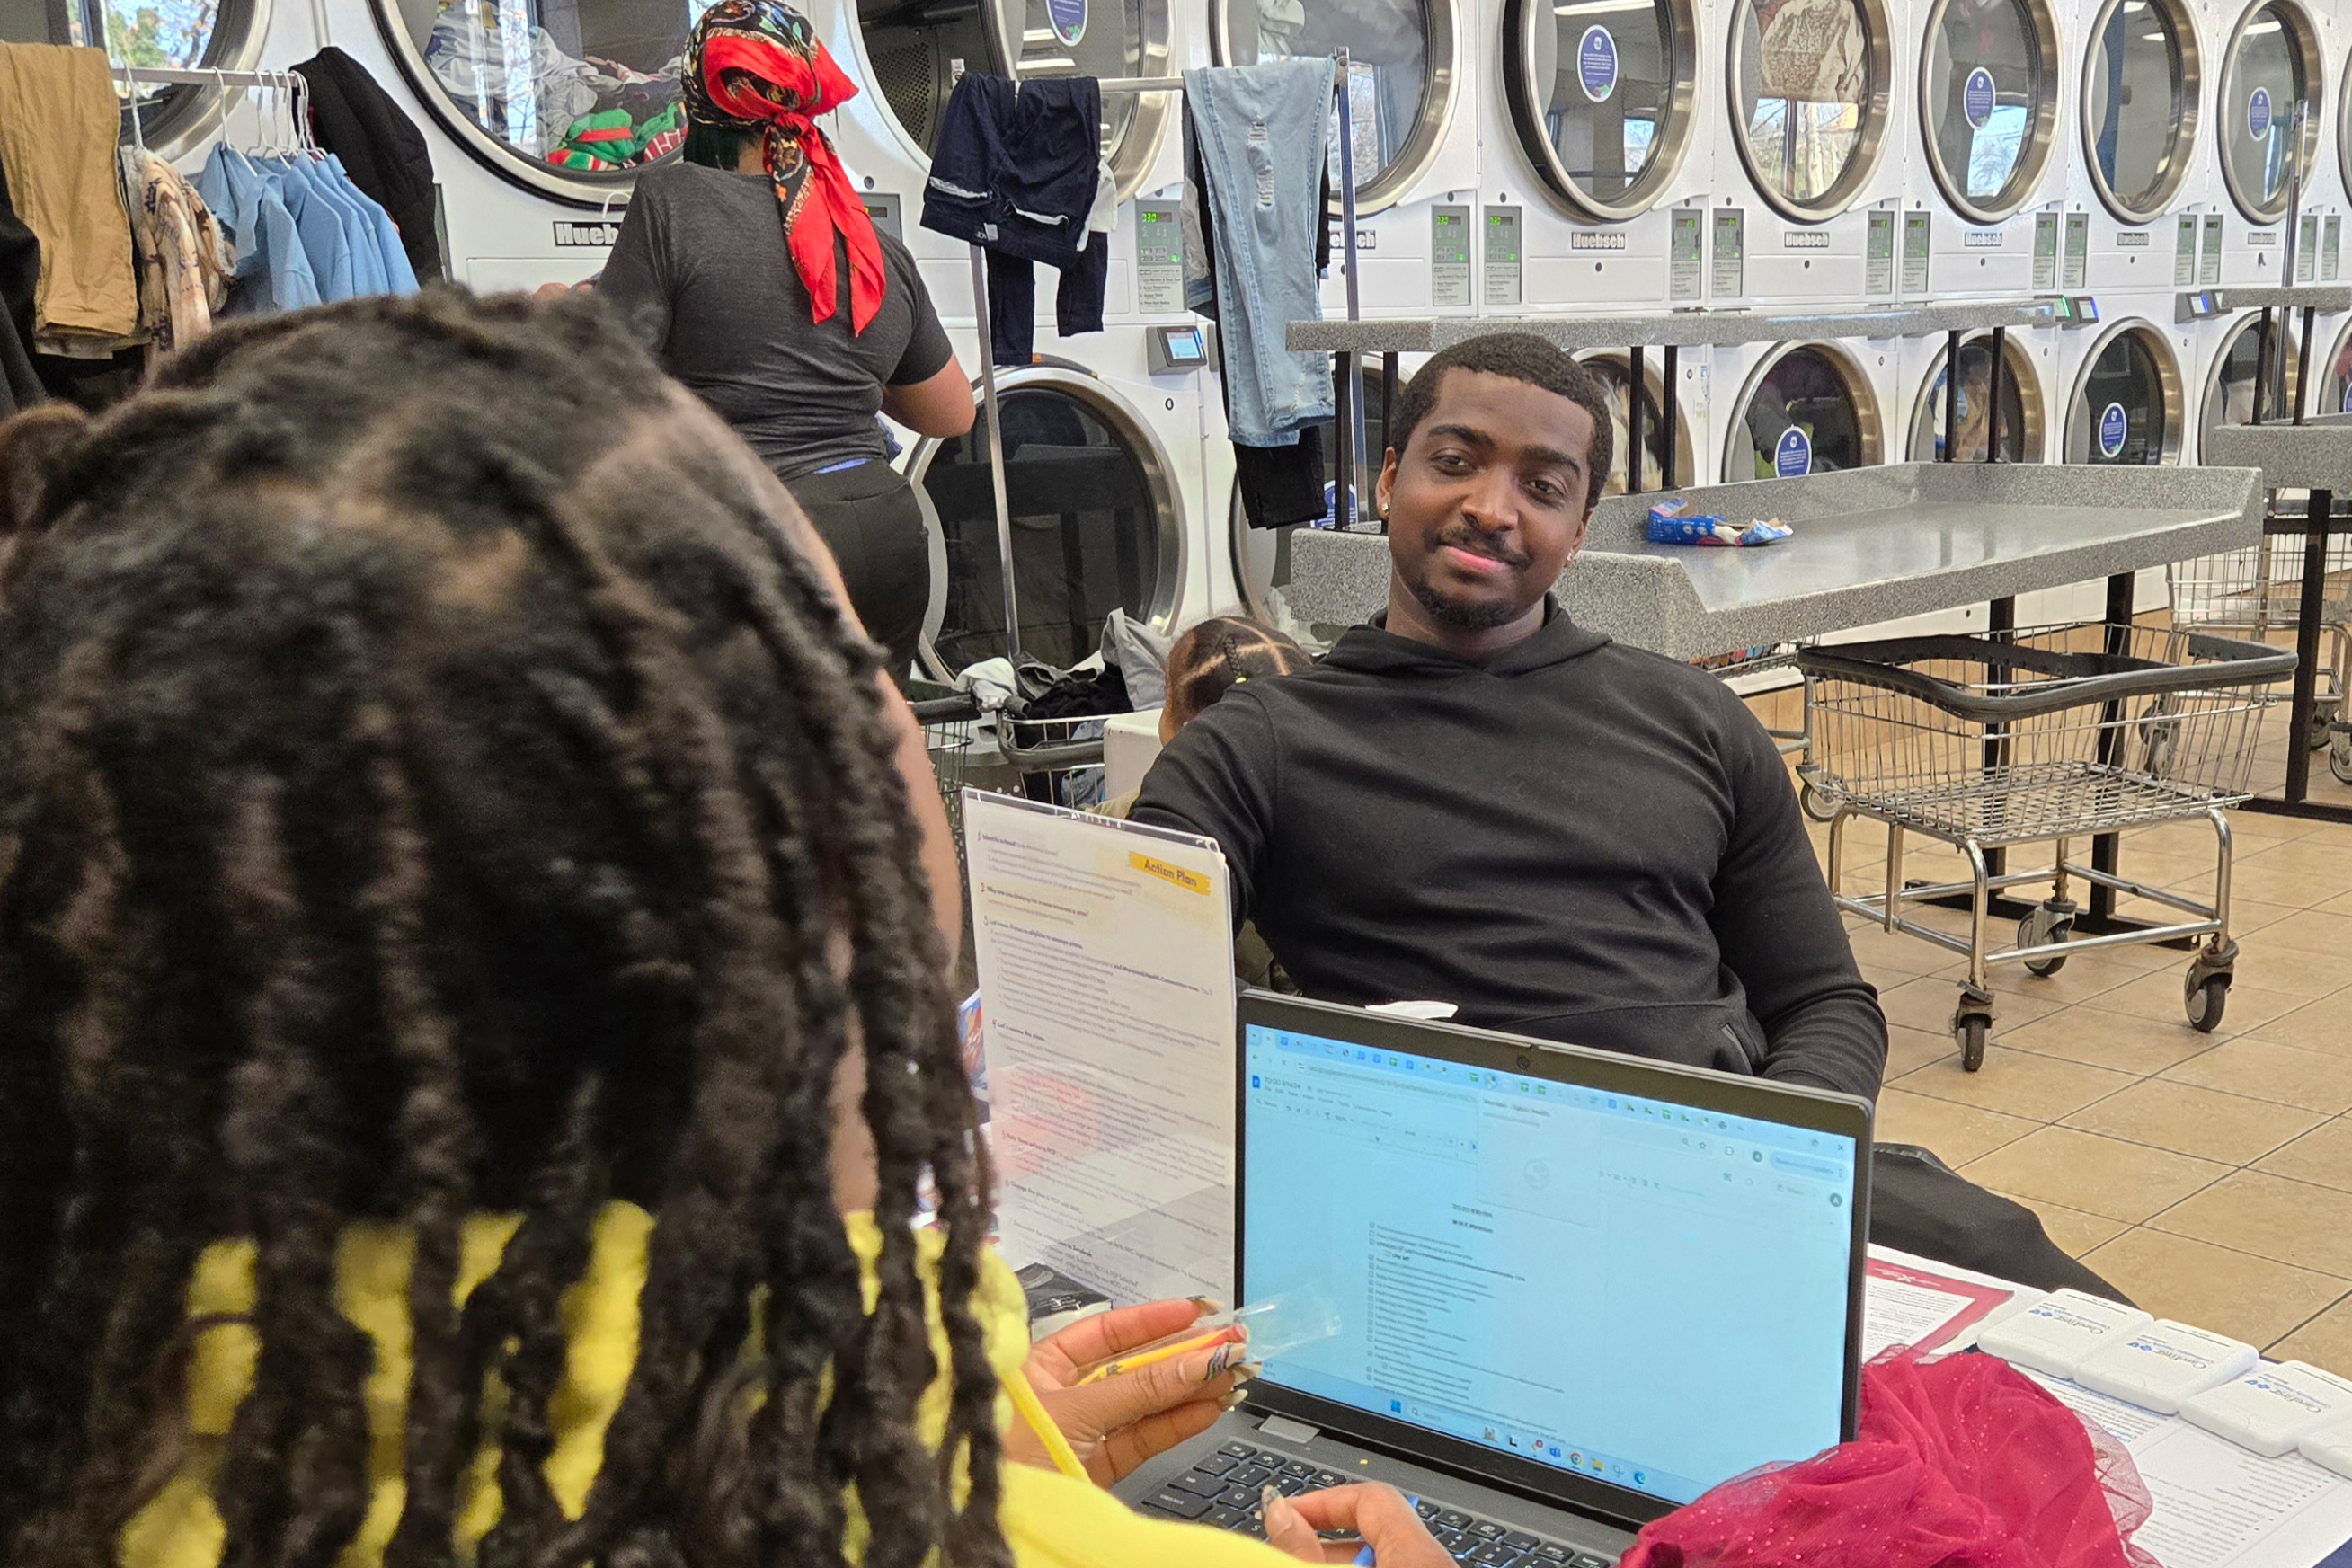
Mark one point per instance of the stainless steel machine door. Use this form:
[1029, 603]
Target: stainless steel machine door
[2022, 411]
[2270, 84]
[2233, 380]
[2126, 408]
[1403, 69]
[1806, 409]
[1988, 102]
[1808, 92]
[1098, 522]
[2141, 89]
[1604, 94]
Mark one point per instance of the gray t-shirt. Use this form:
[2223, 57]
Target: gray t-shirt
[701, 273]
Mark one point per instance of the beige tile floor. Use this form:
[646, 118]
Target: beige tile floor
[2209, 1177]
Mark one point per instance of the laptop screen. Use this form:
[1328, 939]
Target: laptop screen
[1640, 1293]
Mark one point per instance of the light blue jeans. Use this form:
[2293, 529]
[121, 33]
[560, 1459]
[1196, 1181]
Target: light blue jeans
[1262, 132]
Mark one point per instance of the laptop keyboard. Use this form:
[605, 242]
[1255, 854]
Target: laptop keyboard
[1221, 1491]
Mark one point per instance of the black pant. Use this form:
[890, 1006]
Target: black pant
[869, 517]
[1921, 1205]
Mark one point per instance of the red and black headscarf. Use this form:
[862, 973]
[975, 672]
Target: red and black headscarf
[757, 65]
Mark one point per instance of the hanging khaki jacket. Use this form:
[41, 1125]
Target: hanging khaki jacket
[59, 121]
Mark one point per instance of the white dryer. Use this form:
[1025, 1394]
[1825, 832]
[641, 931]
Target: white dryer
[1413, 66]
[1783, 410]
[1103, 474]
[2143, 188]
[1596, 154]
[1992, 78]
[2270, 81]
[2029, 360]
[907, 57]
[1810, 176]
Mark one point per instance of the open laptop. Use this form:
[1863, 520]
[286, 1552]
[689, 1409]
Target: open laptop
[1575, 1290]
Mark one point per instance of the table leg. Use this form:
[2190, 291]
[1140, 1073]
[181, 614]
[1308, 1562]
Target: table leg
[2320, 509]
[2122, 604]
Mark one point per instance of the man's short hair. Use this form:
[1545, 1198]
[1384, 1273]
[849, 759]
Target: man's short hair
[1519, 357]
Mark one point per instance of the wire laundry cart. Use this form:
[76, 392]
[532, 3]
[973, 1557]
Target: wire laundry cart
[2043, 736]
[2258, 590]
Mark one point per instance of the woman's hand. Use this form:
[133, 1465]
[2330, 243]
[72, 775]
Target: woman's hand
[1379, 1516]
[1117, 1423]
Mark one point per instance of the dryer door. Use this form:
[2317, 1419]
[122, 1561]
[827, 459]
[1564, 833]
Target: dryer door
[2270, 81]
[1404, 69]
[1808, 409]
[1098, 522]
[1809, 84]
[2140, 97]
[2126, 409]
[566, 97]
[2245, 374]
[913, 50]
[2022, 415]
[1602, 95]
[1988, 102]
[1614, 370]
[2336, 379]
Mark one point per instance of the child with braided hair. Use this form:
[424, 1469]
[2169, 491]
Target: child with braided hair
[473, 1004]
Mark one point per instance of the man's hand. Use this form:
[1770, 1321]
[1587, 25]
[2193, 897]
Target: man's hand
[1379, 1516]
[1117, 1423]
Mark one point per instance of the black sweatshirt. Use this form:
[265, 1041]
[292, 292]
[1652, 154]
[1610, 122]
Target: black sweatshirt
[1579, 841]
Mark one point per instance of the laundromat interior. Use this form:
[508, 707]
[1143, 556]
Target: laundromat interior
[2124, 165]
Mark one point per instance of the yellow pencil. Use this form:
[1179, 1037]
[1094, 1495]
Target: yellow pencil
[1226, 1335]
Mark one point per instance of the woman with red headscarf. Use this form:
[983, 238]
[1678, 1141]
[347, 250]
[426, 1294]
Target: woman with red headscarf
[753, 272]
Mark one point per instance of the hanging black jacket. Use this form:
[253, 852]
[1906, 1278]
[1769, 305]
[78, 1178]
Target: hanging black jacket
[20, 269]
[382, 150]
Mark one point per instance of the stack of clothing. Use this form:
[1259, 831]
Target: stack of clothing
[589, 114]
[303, 233]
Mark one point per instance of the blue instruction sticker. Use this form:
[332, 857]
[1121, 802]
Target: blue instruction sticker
[1596, 63]
[1792, 455]
[2348, 397]
[2258, 114]
[1068, 18]
[2113, 427]
[1976, 98]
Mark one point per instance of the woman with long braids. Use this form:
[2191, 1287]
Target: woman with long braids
[472, 1004]
[753, 272]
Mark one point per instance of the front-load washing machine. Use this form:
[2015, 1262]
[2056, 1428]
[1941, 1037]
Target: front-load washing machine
[1103, 477]
[2271, 83]
[906, 56]
[2331, 374]
[2236, 370]
[2028, 361]
[1808, 190]
[1596, 154]
[538, 114]
[2143, 177]
[1413, 66]
[1786, 410]
[1992, 78]
[2123, 382]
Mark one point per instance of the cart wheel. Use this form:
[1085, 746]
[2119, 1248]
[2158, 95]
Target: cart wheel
[2206, 996]
[1971, 1033]
[2316, 737]
[2045, 924]
[1815, 804]
[2339, 758]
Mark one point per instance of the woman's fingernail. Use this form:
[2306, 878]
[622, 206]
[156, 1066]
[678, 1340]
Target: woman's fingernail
[1268, 1499]
[1246, 1372]
[1208, 1306]
[1233, 1401]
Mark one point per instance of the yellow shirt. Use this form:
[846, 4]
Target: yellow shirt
[1050, 1519]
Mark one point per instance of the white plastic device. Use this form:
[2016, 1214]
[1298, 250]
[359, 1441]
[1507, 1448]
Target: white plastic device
[2159, 1365]
[2271, 1407]
[2061, 1332]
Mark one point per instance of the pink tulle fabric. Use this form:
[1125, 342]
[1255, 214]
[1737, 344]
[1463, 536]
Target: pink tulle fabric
[1958, 1463]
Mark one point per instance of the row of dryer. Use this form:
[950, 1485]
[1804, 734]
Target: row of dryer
[1514, 158]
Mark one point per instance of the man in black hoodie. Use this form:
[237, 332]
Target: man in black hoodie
[1474, 800]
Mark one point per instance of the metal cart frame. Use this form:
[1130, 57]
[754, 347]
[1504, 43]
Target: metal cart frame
[1988, 743]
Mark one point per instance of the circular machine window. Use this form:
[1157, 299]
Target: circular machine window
[180, 35]
[1614, 370]
[1809, 99]
[912, 51]
[1602, 94]
[2140, 89]
[2126, 408]
[1096, 521]
[1402, 65]
[1807, 410]
[2336, 378]
[2021, 407]
[1988, 102]
[1262, 556]
[2270, 82]
[2245, 372]
[568, 98]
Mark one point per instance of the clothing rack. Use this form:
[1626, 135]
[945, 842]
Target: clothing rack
[290, 82]
[1350, 445]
